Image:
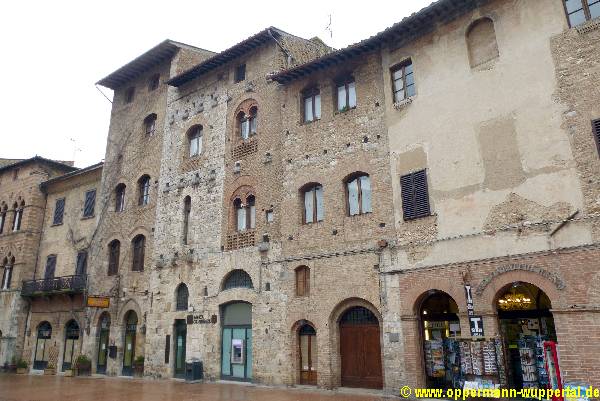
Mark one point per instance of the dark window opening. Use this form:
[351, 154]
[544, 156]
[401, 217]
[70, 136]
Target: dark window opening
[182, 297]
[144, 190]
[187, 208]
[120, 198]
[59, 210]
[50, 267]
[81, 266]
[150, 124]
[90, 203]
[139, 245]
[114, 250]
[237, 279]
[240, 73]
[153, 82]
[129, 94]
[596, 130]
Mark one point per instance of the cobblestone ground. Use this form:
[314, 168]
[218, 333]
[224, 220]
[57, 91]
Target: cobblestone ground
[57, 388]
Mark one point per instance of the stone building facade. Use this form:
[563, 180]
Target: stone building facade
[292, 214]
[56, 294]
[22, 206]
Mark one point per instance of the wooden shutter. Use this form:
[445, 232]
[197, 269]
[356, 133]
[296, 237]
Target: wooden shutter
[596, 130]
[167, 348]
[113, 262]
[138, 254]
[415, 195]
[59, 211]
[302, 278]
[90, 202]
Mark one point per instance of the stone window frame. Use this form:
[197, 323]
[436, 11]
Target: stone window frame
[240, 199]
[138, 250]
[312, 187]
[402, 66]
[312, 92]
[114, 254]
[347, 81]
[7, 264]
[149, 124]
[187, 210]
[349, 179]
[302, 280]
[3, 215]
[197, 130]
[182, 297]
[120, 193]
[144, 190]
[18, 215]
[247, 111]
[585, 7]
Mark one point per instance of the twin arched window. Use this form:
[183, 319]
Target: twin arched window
[245, 213]
[7, 265]
[247, 122]
[182, 294]
[3, 211]
[18, 216]
[144, 190]
[139, 248]
[194, 136]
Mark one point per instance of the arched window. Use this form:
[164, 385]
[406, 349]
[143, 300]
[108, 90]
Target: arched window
[71, 338]
[253, 119]
[481, 42]
[194, 136]
[247, 119]
[187, 208]
[3, 211]
[120, 197]
[312, 196]
[358, 194]
[302, 281]
[139, 248]
[18, 215]
[245, 213]
[114, 251]
[244, 125]
[182, 295]
[7, 265]
[144, 190]
[150, 124]
[44, 334]
[237, 279]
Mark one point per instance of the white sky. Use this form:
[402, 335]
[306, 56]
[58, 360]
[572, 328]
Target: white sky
[54, 52]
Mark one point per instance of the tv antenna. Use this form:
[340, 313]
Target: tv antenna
[75, 148]
[329, 27]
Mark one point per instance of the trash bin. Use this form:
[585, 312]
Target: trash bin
[193, 370]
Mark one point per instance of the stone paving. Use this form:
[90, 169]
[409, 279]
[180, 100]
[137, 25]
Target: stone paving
[59, 388]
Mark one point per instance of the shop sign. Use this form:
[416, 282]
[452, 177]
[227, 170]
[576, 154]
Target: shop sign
[98, 302]
[469, 296]
[476, 324]
[200, 319]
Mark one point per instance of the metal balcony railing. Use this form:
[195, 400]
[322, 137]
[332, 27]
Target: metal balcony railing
[56, 285]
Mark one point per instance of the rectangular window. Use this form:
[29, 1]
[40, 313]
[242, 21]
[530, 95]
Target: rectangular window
[17, 219]
[312, 105]
[415, 195]
[313, 205]
[50, 267]
[2, 221]
[269, 216]
[241, 219]
[59, 210]
[596, 130]
[6, 277]
[346, 94]
[90, 203]
[240, 73]
[580, 11]
[81, 266]
[403, 81]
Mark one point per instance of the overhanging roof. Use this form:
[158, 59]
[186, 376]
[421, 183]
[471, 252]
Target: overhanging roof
[44, 185]
[410, 28]
[158, 54]
[53, 163]
[227, 55]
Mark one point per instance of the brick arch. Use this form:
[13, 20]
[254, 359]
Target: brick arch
[245, 106]
[130, 304]
[338, 311]
[294, 350]
[495, 288]
[419, 290]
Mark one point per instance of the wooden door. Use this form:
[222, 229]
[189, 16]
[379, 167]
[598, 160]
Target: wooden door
[360, 352]
[308, 356]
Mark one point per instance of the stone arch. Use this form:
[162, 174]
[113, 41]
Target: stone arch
[236, 278]
[481, 42]
[129, 304]
[295, 349]
[419, 289]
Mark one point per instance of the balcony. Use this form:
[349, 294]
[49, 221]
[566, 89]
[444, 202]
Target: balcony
[56, 285]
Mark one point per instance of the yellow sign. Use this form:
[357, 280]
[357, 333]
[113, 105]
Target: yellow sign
[98, 302]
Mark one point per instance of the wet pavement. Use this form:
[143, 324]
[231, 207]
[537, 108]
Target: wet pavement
[58, 388]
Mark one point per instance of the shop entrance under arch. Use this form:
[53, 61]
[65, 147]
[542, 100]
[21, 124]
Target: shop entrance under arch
[440, 328]
[236, 341]
[307, 352]
[525, 322]
[131, 321]
[103, 337]
[360, 349]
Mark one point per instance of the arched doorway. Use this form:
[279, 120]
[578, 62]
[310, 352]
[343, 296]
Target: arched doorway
[131, 321]
[525, 323]
[103, 336]
[180, 331]
[360, 349]
[71, 338]
[307, 342]
[44, 334]
[236, 350]
[439, 322]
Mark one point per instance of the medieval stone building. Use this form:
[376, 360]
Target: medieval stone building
[419, 208]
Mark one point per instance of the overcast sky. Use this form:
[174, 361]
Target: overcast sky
[54, 52]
